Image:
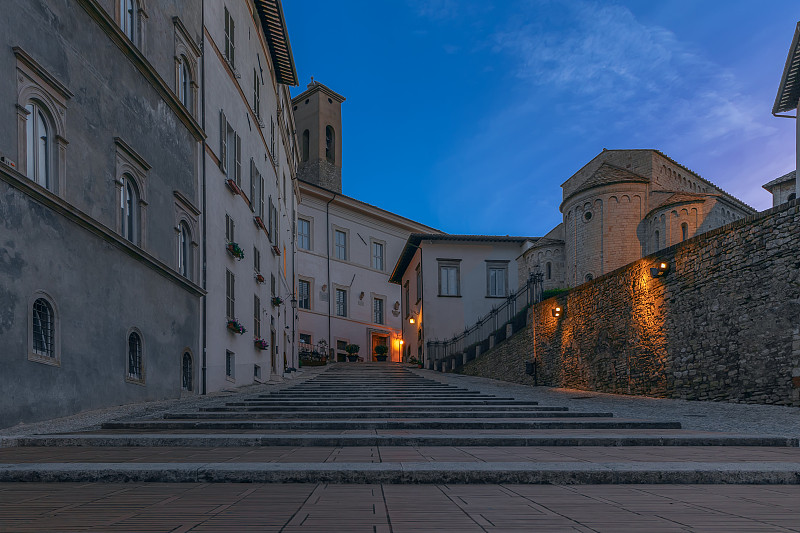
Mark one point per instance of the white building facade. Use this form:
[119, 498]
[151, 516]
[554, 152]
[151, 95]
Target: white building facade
[250, 195]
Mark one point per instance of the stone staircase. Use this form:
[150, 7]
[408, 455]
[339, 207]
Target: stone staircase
[386, 423]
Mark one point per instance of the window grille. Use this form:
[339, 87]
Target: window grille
[304, 294]
[135, 356]
[186, 372]
[43, 328]
[341, 302]
[377, 310]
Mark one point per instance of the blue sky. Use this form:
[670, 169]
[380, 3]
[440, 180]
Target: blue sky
[468, 115]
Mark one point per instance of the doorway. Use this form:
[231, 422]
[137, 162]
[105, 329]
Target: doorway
[379, 339]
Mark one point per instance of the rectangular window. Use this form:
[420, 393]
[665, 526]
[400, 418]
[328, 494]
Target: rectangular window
[419, 282]
[340, 241]
[230, 297]
[231, 153]
[448, 280]
[230, 235]
[230, 48]
[377, 255]
[230, 364]
[257, 371]
[257, 316]
[272, 140]
[253, 184]
[256, 94]
[305, 338]
[341, 302]
[260, 196]
[377, 310]
[496, 277]
[408, 302]
[303, 234]
[272, 285]
[304, 294]
[256, 260]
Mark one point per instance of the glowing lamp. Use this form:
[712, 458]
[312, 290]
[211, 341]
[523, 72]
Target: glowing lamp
[661, 269]
[556, 312]
[410, 320]
[401, 342]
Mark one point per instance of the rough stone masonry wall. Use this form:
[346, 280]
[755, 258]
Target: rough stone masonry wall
[723, 324]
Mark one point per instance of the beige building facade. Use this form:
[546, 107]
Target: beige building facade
[345, 248]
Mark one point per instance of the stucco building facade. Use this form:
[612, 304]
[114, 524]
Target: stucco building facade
[250, 197]
[345, 248]
[100, 300]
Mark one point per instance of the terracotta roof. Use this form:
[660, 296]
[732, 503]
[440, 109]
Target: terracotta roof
[789, 176]
[789, 89]
[416, 238]
[680, 198]
[606, 174]
[272, 21]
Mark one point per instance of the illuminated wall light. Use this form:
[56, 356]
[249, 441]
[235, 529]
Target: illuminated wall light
[411, 320]
[659, 270]
[556, 312]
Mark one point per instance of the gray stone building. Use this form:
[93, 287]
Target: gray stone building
[99, 195]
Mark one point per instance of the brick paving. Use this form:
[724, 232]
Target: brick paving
[244, 438]
[146, 507]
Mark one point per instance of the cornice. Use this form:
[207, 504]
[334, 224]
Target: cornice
[107, 24]
[78, 217]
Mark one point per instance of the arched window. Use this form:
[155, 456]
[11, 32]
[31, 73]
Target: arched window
[656, 241]
[549, 270]
[38, 146]
[135, 366]
[44, 335]
[186, 372]
[128, 15]
[684, 231]
[330, 144]
[306, 136]
[129, 209]
[589, 277]
[185, 83]
[184, 250]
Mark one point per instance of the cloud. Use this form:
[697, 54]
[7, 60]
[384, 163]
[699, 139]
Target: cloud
[601, 57]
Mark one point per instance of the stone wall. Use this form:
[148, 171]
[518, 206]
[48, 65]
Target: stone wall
[722, 324]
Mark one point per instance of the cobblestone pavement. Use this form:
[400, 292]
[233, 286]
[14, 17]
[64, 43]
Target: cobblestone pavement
[703, 416]
[397, 508]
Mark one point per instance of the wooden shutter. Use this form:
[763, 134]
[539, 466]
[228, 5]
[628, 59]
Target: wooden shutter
[238, 160]
[223, 141]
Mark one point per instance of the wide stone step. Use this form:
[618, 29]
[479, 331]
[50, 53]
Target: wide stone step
[362, 423]
[250, 414]
[322, 409]
[338, 402]
[344, 425]
[422, 472]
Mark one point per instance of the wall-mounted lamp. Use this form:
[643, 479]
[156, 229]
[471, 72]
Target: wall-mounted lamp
[556, 312]
[660, 270]
[324, 288]
[361, 296]
[401, 342]
[411, 320]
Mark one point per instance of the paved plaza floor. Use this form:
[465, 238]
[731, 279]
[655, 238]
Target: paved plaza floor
[388, 448]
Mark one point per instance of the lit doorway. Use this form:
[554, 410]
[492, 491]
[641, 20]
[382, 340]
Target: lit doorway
[379, 339]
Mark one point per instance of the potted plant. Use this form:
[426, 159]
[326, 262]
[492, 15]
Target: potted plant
[276, 301]
[235, 326]
[381, 352]
[261, 344]
[235, 250]
[260, 278]
[352, 352]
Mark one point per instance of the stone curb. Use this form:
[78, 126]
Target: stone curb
[408, 473]
[335, 440]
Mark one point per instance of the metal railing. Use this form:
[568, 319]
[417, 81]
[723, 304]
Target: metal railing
[512, 311]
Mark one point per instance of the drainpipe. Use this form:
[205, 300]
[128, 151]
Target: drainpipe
[204, 310]
[328, 257]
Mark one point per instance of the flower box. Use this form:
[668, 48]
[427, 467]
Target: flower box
[236, 327]
[260, 223]
[277, 300]
[261, 344]
[235, 250]
[233, 187]
[260, 278]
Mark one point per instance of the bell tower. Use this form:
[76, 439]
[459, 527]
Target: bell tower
[318, 119]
